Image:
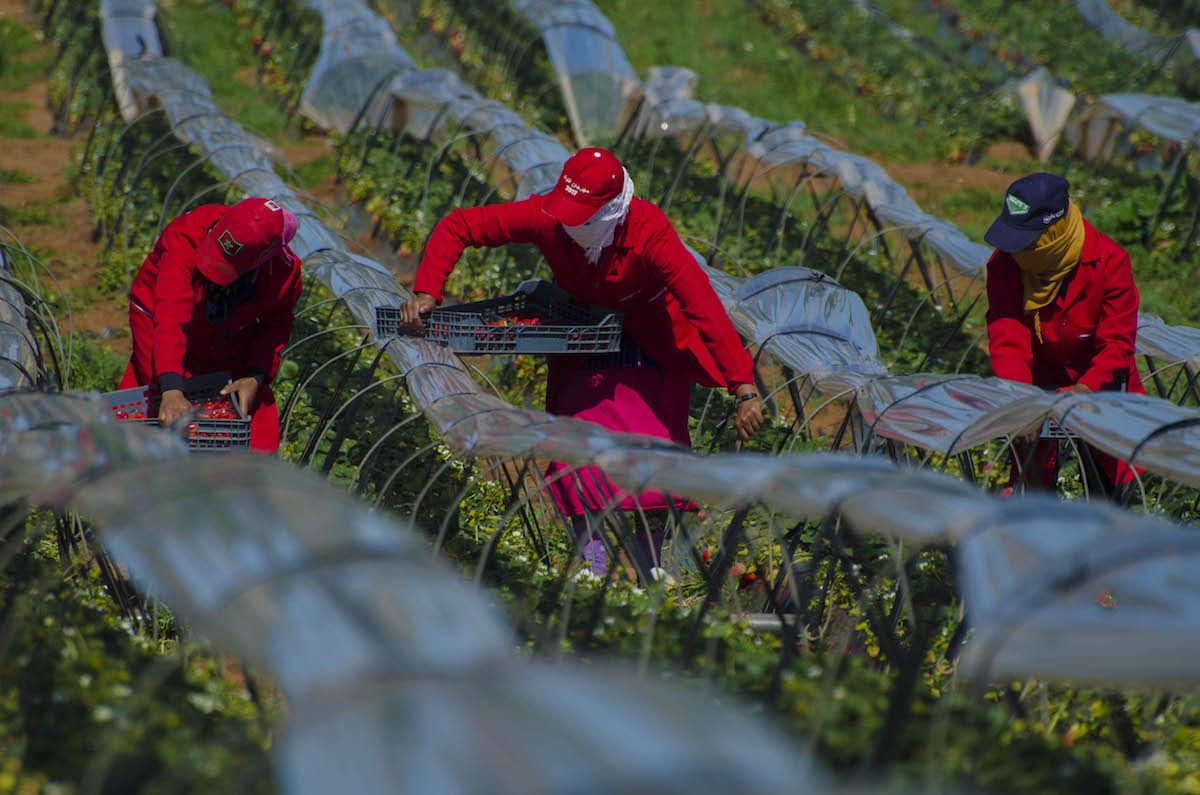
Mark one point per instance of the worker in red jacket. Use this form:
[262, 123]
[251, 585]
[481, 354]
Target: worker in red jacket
[1062, 307]
[608, 248]
[217, 293]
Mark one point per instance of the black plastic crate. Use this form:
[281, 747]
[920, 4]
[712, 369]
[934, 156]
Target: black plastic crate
[140, 404]
[1052, 430]
[539, 317]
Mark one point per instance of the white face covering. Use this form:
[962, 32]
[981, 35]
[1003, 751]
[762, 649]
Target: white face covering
[597, 232]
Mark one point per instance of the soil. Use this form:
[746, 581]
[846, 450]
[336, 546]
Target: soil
[63, 241]
[922, 180]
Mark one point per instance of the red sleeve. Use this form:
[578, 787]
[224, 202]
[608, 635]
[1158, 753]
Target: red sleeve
[174, 296]
[265, 350]
[688, 282]
[1117, 328]
[1010, 341]
[488, 226]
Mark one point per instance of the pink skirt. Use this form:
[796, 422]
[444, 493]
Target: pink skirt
[639, 398]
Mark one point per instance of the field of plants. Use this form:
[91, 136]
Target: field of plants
[842, 588]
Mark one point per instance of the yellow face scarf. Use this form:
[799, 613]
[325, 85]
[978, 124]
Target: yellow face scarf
[1046, 264]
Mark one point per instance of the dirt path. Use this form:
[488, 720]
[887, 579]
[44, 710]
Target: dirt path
[43, 210]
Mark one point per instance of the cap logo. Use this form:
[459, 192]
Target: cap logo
[272, 206]
[229, 244]
[1046, 219]
[572, 187]
[1015, 205]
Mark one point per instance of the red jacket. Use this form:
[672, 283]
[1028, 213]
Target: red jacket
[1088, 330]
[670, 308]
[248, 340]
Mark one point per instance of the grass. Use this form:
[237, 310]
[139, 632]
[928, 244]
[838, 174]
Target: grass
[741, 61]
[95, 363]
[14, 176]
[970, 207]
[206, 39]
[12, 120]
[312, 173]
[23, 59]
[40, 213]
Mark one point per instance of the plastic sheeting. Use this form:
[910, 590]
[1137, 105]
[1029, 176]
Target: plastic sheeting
[436, 104]
[1101, 16]
[595, 76]
[1168, 344]
[1047, 106]
[19, 368]
[1096, 129]
[950, 413]
[128, 31]
[471, 733]
[811, 323]
[359, 58]
[396, 672]
[1080, 594]
[49, 443]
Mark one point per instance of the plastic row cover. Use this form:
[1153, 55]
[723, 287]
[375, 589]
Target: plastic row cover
[19, 368]
[359, 57]
[1030, 568]
[128, 31]
[1100, 15]
[595, 76]
[1096, 127]
[49, 443]
[436, 104]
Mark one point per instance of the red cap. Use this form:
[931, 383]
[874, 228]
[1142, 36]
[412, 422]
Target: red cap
[246, 237]
[590, 179]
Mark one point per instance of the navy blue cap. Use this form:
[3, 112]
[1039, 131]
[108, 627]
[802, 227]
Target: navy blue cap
[1031, 205]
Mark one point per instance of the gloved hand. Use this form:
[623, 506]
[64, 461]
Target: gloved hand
[749, 417]
[172, 405]
[412, 310]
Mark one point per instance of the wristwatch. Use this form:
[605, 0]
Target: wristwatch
[748, 396]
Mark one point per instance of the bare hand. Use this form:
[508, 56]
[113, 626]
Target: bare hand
[172, 405]
[412, 310]
[1029, 437]
[749, 417]
[1080, 388]
[246, 390]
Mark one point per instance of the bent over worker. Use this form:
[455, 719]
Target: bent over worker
[1062, 307]
[607, 247]
[217, 293]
